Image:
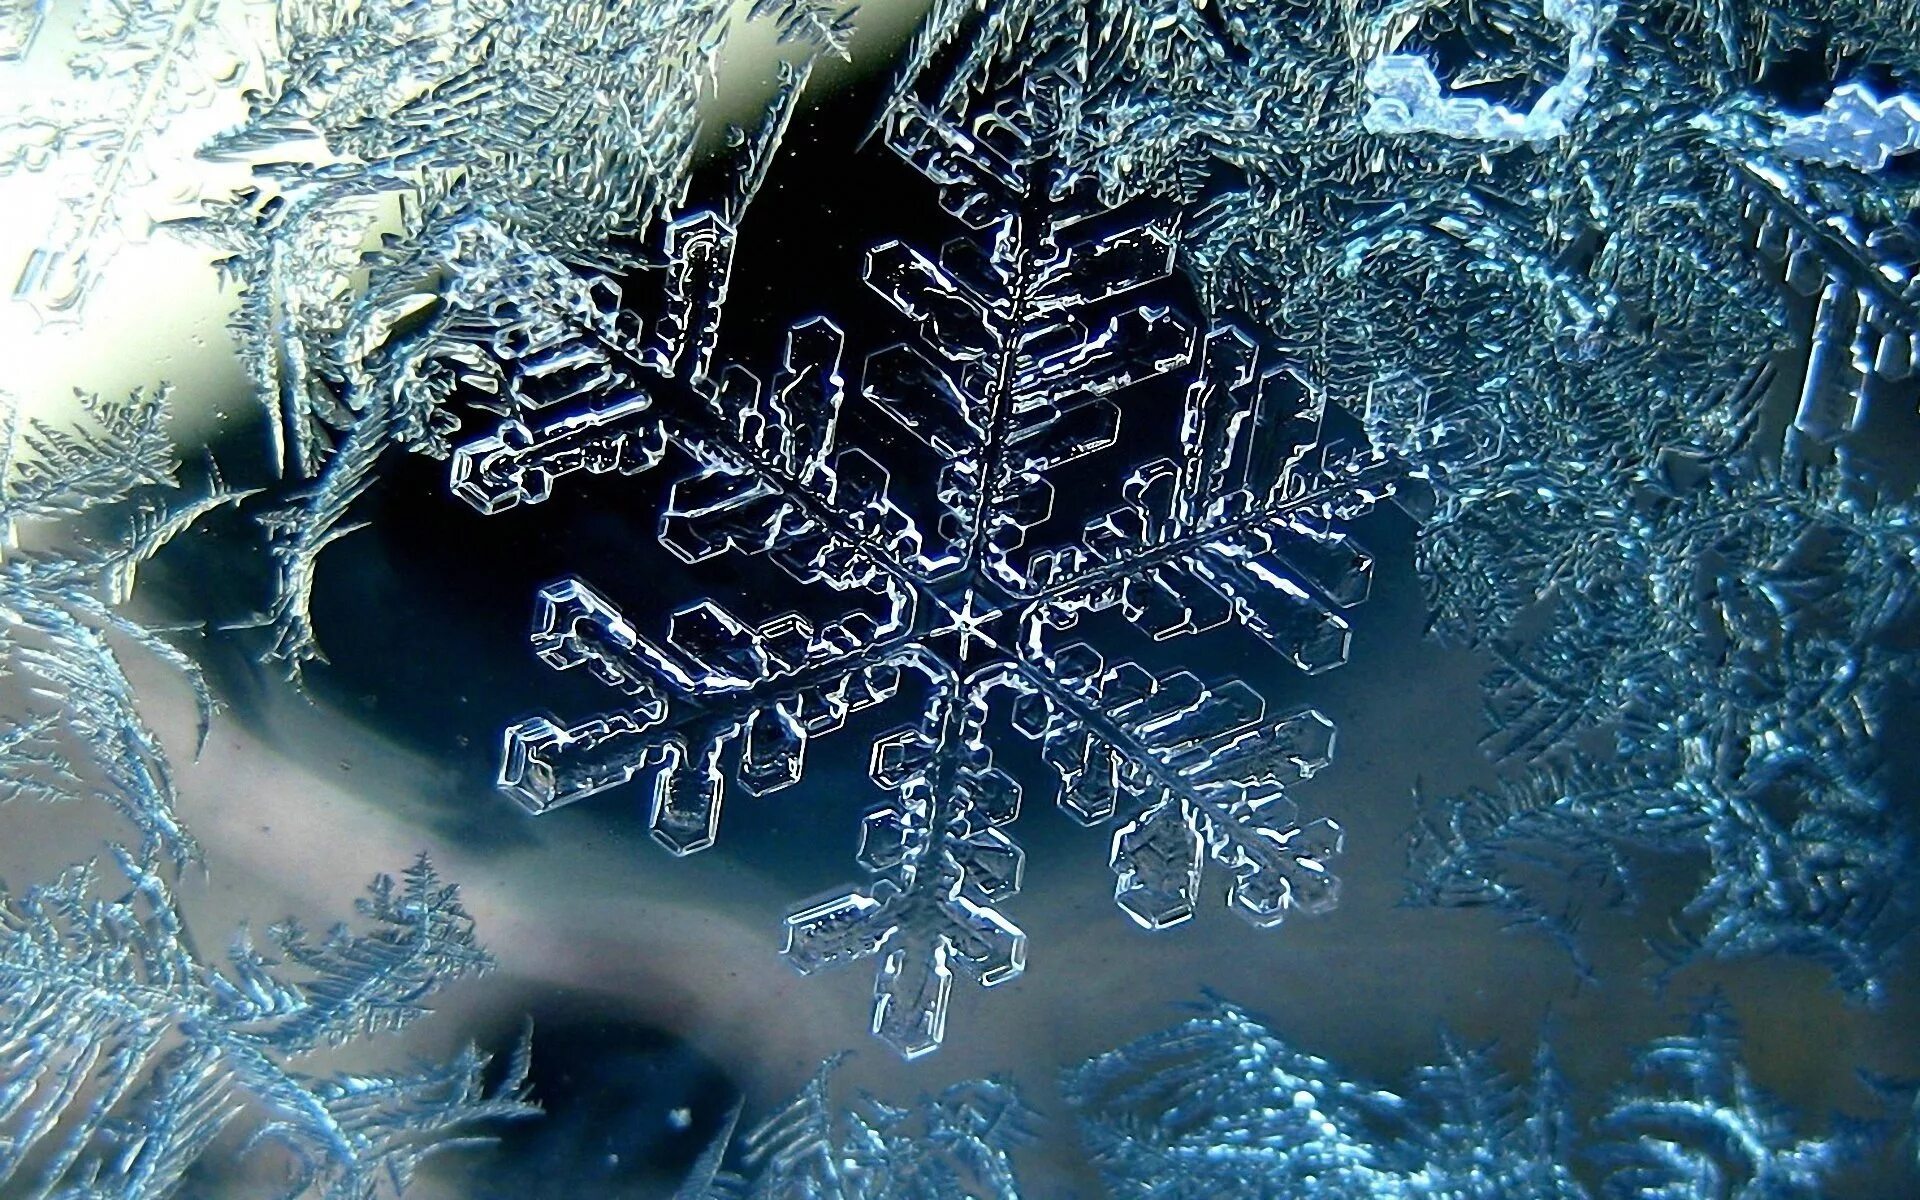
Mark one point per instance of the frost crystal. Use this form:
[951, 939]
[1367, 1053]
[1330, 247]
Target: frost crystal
[133, 72]
[1026, 349]
[80, 732]
[1855, 128]
[127, 1057]
[1220, 1107]
[954, 1146]
[1404, 95]
[1693, 1122]
[466, 117]
[1765, 764]
[1577, 331]
[19, 24]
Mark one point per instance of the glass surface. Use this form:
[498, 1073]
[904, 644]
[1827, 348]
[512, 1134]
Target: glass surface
[1131, 599]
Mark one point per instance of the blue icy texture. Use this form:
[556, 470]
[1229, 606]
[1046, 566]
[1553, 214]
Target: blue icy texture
[128, 1057]
[1570, 294]
[1405, 96]
[1731, 646]
[1026, 339]
[1220, 1108]
[1855, 128]
[958, 1145]
[465, 117]
[1633, 359]
[1900, 1097]
[74, 727]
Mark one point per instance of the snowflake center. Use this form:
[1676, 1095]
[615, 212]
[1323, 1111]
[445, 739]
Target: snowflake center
[968, 620]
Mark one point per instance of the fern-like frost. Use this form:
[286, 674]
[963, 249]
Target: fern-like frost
[1221, 1107]
[76, 727]
[128, 1056]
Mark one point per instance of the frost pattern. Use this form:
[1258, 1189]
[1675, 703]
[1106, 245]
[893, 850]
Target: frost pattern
[1220, 1107]
[1405, 96]
[78, 731]
[127, 1056]
[19, 24]
[455, 133]
[134, 71]
[1025, 349]
[1744, 727]
[1902, 1098]
[954, 1146]
[1632, 359]
[1855, 128]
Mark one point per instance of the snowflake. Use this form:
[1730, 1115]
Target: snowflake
[1023, 352]
[1579, 285]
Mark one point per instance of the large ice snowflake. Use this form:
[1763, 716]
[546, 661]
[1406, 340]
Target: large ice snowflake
[1025, 342]
[1643, 322]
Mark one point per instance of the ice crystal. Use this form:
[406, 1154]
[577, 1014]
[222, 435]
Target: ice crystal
[466, 117]
[19, 24]
[133, 71]
[954, 1146]
[1221, 1107]
[1024, 352]
[1735, 650]
[128, 1056]
[1724, 620]
[1855, 128]
[1572, 287]
[1693, 1123]
[78, 730]
[1405, 96]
